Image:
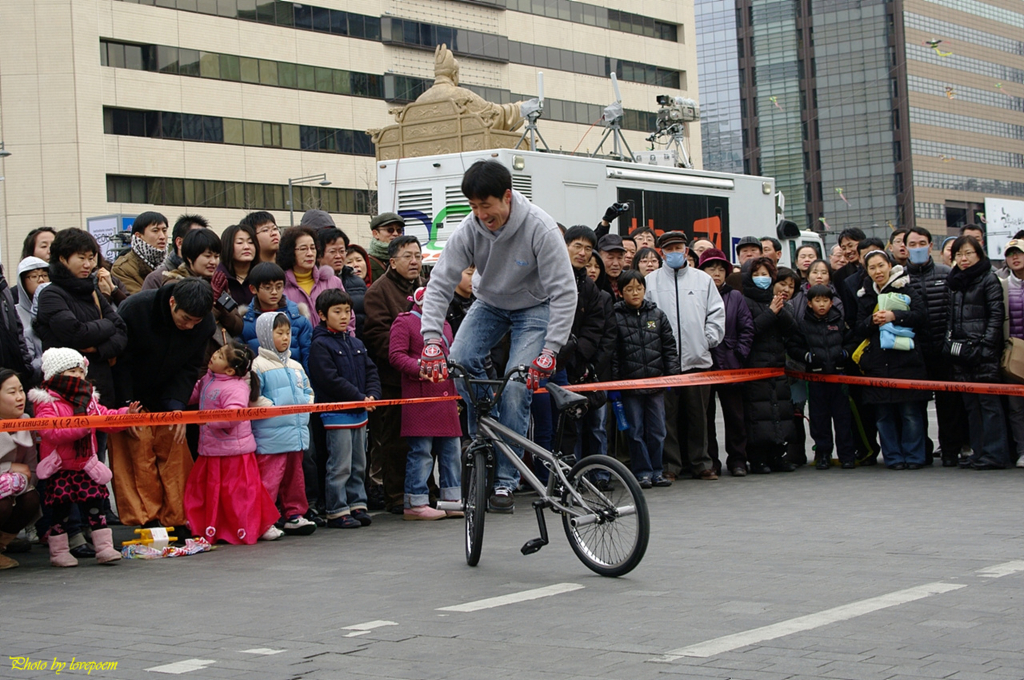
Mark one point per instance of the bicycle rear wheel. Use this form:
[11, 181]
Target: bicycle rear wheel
[476, 507]
[611, 538]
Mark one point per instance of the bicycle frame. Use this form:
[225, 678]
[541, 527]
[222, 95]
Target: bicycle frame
[490, 431]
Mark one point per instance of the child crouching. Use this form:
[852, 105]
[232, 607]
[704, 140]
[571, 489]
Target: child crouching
[224, 496]
[67, 456]
[281, 441]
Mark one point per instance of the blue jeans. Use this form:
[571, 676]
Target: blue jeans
[545, 423]
[482, 329]
[906, 447]
[419, 465]
[593, 428]
[645, 414]
[346, 466]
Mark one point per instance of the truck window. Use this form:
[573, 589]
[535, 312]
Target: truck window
[699, 216]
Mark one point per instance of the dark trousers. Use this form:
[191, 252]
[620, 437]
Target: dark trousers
[314, 463]
[988, 430]
[686, 408]
[829, 404]
[949, 412]
[864, 429]
[731, 397]
[388, 448]
[17, 512]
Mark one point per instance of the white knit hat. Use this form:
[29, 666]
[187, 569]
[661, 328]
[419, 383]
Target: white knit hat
[56, 360]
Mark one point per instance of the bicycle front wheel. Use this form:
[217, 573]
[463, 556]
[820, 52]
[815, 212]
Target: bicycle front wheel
[612, 534]
[476, 507]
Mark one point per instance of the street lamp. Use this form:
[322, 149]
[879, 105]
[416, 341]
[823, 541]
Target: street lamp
[302, 180]
[4, 153]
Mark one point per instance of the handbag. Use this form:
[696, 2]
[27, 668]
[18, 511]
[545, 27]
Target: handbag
[1012, 363]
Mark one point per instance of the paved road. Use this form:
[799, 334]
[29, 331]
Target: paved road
[857, 574]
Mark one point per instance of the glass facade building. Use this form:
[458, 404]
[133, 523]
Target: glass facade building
[717, 58]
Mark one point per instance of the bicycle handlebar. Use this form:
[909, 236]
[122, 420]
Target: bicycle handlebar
[457, 371]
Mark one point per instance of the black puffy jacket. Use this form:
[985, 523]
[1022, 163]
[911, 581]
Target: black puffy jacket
[645, 346]
[930, 280]
[876, 362]
[976, 315]
[72, 313]
[583, 350]
[767, 404]
[824, 338]
[356, 289]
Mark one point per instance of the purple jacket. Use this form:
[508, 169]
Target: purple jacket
[732, 352]
[227, 437]
[440, 419]
[323, 279]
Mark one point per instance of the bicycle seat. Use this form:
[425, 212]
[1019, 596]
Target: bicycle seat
[564, 399]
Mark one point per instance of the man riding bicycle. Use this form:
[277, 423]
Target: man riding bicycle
[524, 287]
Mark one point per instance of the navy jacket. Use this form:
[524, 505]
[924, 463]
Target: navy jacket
[341, 370]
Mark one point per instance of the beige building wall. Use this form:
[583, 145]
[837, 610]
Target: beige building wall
[53, 89]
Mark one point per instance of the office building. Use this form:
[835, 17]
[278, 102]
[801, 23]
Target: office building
[114, 107]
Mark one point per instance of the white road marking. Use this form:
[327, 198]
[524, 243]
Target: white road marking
[263, 651]
[809, 622]
[512, 598]
[1004, 569]
[370, 625]
[179, 667]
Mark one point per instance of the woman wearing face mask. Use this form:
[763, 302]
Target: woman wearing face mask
[768, 411]
[974, 346]
[901, 423]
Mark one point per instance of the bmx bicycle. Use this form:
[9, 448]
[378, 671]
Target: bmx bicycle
[603, 509]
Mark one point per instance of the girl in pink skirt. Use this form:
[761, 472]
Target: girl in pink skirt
[224, 496]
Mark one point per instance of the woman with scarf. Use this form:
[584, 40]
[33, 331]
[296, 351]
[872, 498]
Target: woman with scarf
[67, 456]
[148, 251]
[887, 305]
[974, 346]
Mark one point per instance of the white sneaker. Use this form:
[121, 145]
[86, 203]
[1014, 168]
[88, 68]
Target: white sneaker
[1020, 462]
[299, 526]
[272, 534]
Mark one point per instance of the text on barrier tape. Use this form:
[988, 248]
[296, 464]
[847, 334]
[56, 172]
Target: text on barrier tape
[928, 385]
[260, 413]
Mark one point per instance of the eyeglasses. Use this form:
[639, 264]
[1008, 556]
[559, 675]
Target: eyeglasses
[305, 249]
[267, 230]
[410, 256]
[272, 287]
[38, 276]
[391, 229]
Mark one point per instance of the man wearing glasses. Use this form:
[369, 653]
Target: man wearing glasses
[387, 298]
[267, 234]
[385, 227]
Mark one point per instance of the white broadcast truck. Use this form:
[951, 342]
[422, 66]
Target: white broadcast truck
[720, 207]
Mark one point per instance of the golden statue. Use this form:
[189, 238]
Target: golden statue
[447, 118]
[446, 87]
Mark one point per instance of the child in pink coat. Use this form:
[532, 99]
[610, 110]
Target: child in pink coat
[428, 428]
[224, 496]
[67, 456]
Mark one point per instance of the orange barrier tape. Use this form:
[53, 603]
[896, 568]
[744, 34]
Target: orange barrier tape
[931, 385]
[199, 417]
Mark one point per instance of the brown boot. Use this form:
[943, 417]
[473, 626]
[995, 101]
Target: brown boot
[104, 542]
[6, 562]
[60, 556]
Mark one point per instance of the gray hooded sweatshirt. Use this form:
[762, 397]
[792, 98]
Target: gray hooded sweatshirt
[27, 309]
[522, 265]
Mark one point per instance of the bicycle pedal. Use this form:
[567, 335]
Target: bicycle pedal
[533, 545]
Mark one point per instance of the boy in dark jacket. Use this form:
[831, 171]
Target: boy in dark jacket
[341, 370]
[645, 348]
[820, 344]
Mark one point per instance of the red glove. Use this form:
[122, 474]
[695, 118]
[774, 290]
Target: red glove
[48, 466]
[433, 362]
[219, 283]
[97, 471]
[541, 368]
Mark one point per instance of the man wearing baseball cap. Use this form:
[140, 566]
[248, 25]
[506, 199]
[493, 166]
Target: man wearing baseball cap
[696, 312]
[613, 254]
[385, 228]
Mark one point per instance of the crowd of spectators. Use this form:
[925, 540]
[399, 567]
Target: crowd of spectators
[260, 316]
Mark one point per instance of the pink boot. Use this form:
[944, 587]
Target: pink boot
[59, 554]
[104, 543]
